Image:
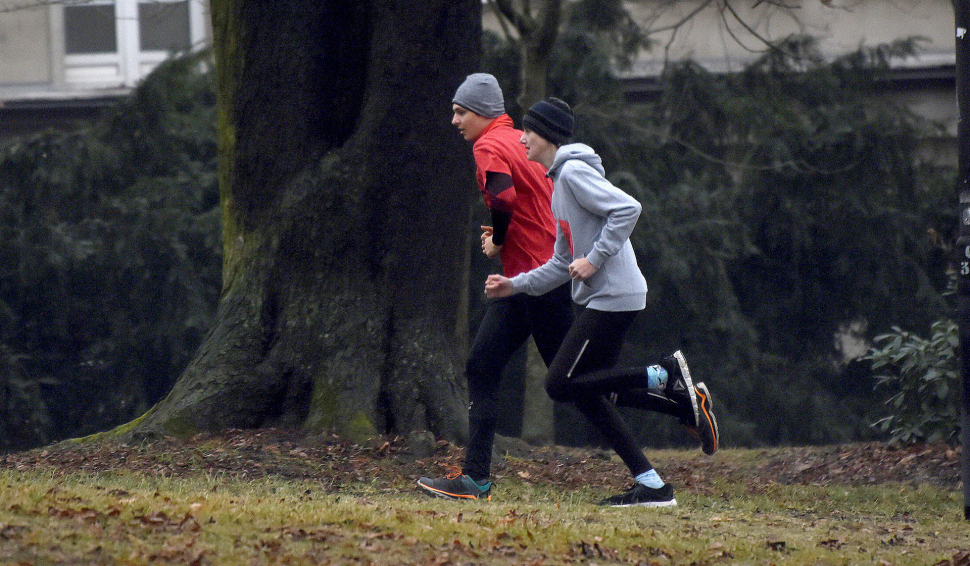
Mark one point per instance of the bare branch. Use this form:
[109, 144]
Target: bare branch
[768, 43]
[540, 28]
[781, 4]
[727, 6]
[676, 26]
[728, 14]
[521, 20]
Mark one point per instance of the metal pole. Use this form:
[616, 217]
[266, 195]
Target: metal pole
[961, 9]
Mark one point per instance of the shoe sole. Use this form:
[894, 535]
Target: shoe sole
[649, 504]
[707, 422]
[445, 495]
[685, 374]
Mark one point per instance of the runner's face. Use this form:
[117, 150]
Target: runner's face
[469, 124]
[537, 148]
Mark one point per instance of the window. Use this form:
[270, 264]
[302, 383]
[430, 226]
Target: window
[164, 26]
[114, 43]
[90, 29]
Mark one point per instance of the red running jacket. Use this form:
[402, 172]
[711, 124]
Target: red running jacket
[518, 194]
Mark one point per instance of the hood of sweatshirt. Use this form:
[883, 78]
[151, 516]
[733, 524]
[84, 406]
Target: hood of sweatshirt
[578, 151]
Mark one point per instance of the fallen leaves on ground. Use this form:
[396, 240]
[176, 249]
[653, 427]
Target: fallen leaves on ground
[290, 454]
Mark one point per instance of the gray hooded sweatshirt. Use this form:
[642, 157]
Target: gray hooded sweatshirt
[600, 218]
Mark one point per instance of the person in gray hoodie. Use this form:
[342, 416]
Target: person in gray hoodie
[593, 251]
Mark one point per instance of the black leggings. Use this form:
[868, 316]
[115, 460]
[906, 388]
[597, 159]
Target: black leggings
[507, 324]
[583, 371]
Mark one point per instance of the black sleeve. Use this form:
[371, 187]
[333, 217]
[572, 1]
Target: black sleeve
[501, 192]
[500, 226]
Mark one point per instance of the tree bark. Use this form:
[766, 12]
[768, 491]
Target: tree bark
[344, 192]
[538, 27]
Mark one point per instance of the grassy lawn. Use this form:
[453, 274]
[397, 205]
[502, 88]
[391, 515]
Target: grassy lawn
[144, 513]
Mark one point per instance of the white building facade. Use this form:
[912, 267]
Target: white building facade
[61, 54]
[67, 54]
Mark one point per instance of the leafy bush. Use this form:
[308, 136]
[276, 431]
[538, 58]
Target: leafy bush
[921, 380]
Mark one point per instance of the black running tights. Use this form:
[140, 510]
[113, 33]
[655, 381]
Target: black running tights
[583, 370]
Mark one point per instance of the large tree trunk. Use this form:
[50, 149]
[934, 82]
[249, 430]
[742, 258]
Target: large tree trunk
[345, 202]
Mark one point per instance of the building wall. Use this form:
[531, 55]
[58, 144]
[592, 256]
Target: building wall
[721, 39]
[37, 62]
[717, 39]
[25, 47]
[44, 84]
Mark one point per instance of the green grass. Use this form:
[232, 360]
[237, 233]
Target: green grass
[136, 518]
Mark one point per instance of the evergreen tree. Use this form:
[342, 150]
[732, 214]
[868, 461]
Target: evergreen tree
[110, 270]
[783, 205]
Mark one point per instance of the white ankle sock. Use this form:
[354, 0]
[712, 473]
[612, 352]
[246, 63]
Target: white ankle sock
[650, 478]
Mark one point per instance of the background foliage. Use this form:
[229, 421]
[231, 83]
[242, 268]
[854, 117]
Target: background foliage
[110, 265]
[921, 380]
[785, 207]
[789, 209]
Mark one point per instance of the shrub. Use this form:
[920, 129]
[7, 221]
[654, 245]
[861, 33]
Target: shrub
[920, 379]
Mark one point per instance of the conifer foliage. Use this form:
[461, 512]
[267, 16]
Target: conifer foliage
[783, 206]
[109, 270]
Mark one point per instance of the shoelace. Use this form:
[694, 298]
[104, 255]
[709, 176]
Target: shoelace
[455, 473]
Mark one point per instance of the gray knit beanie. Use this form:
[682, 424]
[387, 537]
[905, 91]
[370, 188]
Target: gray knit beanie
[552, 119]
[481, 94]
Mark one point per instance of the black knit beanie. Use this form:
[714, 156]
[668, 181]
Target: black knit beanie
[552, 119]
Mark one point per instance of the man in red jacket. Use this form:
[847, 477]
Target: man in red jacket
[523, 232]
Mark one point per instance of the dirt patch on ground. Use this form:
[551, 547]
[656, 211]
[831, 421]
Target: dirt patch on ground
[393, 461]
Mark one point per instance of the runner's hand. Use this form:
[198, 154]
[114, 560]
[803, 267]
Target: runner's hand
[498, 286]
[581, 269]
[488, 248]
